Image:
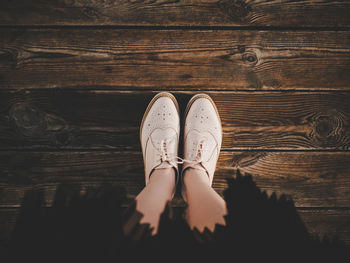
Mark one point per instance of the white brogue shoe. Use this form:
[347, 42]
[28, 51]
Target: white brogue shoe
[202, 136]
[159, 134]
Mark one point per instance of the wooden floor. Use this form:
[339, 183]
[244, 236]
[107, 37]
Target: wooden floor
[76, 77]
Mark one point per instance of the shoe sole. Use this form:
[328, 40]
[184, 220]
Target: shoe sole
[159, 95]
[199, 96]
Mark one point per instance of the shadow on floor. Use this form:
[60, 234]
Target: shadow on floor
[88, 225]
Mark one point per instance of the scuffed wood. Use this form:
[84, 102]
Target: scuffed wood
[329, 222]
[174, 59]
[73, 119]
[176, 13]
[320, 179]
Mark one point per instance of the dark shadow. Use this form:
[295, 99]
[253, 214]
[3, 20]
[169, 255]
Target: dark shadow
[90, 224]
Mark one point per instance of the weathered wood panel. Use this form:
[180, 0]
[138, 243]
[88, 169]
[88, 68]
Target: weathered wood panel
[312, 179]
[174, 59]
[176, 13]
[328, 222]
[73, 119]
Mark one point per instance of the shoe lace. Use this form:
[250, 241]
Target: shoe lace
[199, 153]
[164, 156]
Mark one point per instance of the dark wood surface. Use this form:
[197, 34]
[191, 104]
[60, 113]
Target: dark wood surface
[311, 179]
[176, 13]
[76, 77]
[330, 222]
[86, 119]
[174, 59]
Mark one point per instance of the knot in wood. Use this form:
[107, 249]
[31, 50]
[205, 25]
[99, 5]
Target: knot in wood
[328, 128]
[28, 120]
[250, 57]
[241, 48]
[90, 12]
[236, 10]
[324, 126]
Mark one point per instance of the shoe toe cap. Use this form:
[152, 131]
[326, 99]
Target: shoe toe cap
[162, 115]
[202, 116]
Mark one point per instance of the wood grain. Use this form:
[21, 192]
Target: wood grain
[76, 119]
[328, 222]
[176, 13]
[311, 179]
[174, 59]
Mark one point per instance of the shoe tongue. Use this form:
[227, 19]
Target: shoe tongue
[208, 143]
[159, 135]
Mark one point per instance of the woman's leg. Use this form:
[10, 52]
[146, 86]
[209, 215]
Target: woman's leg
[152, 199]
[202, 144]
[159, 134]
[206, 208]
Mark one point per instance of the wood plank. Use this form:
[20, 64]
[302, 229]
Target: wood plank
[174, 59]
[176, 13]
[312, 179]
[75, 119]
[330, 222]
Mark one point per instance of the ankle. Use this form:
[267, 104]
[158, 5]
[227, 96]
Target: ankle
[163, 175]
[194, 176]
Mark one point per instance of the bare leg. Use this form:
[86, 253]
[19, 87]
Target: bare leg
[206, 208]
[152, 199]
